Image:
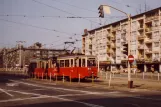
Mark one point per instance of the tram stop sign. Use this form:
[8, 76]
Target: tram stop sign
[130, 58]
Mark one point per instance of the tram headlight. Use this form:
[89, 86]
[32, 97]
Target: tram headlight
[89, 68]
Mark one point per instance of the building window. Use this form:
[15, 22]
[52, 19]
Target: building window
[156, 55]
[156, 44]
[118, 40]
[118, 58]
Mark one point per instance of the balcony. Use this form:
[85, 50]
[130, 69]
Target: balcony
[149, 19]
[114, 29]
[108, 43]
[113, 55]
[108, 36]
[140, 29]
[141, 57]
[123, 31]
[148, 30]
[148, 51]
[118, 29]
[148, 40]
[108, 51]
[140, 46]
[140, 37]
[113, 46]
[113, 37]
[155, 28]
[148, 60]
[124, 58]
[156, 51]
[156, 59]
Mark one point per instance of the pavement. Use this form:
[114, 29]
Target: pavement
[17, 91]
[148, 81]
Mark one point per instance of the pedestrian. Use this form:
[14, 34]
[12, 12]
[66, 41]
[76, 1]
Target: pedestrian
[152, 68]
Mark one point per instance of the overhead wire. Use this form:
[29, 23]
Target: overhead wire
[127, 5]
[75, 6]
[63, 11]
[44, 16]
[38, 27]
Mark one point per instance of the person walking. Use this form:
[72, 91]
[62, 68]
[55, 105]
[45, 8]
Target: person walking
[152, 68]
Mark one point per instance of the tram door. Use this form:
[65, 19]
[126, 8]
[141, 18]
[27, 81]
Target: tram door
[32, 67]
[82, 70]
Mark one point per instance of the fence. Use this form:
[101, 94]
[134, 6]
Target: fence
[143, 75]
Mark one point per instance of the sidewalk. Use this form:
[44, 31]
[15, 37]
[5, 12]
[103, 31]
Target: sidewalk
[117, 82]
[138, 83]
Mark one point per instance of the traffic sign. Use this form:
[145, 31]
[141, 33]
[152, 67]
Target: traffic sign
[130, 58]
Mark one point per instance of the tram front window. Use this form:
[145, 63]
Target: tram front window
[91, 62]
[83, 62]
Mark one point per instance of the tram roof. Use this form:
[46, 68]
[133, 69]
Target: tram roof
[74, 56]
[37, 60]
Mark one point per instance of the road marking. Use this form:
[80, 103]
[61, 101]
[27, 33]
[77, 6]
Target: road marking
[21, 99]
[47, 87]
[70, 95]
[113, 92]
[87, 104]
[135, 105]
[147, 98]
[6, 92]
[26, 93]
[58, 89]
[46, 96]
[12, 84]
[39, 89]
[139, 90]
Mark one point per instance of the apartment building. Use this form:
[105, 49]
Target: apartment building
[21, 56]
[107, 42]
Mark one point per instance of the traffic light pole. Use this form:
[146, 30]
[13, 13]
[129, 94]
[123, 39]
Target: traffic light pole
[129, 38]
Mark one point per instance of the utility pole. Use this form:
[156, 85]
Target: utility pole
[145, 6]
[140, 8]
[6, 58]
[20, 44]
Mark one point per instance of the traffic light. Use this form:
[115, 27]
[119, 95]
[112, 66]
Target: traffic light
[101, 12]
[125, 49]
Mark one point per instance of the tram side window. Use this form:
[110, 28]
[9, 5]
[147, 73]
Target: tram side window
[61, 63]
[71, 62]
[76, 62]
[79, 62]
[66, 63]
[58, 64]
[83, 63]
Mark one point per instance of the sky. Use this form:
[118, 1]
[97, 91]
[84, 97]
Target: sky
[51, 22]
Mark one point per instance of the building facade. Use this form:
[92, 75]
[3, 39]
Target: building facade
[21, 56]
[107, 41]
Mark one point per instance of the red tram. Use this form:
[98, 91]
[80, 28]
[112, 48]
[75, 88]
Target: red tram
[71, 66]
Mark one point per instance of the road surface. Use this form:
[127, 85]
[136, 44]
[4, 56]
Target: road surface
[20, 92]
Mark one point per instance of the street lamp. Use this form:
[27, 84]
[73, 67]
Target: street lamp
[106, 9]
[20, 44]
